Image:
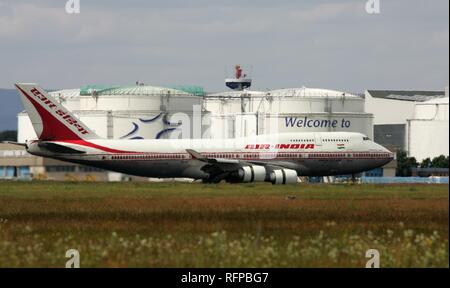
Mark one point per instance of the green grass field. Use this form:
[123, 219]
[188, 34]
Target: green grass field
[197, 225]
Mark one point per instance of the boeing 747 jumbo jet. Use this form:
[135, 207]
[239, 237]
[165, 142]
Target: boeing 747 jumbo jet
[276, 158]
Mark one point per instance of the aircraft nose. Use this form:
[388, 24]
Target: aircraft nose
[391, 155]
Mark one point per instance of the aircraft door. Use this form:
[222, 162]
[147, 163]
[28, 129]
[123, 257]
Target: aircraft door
[318, 139]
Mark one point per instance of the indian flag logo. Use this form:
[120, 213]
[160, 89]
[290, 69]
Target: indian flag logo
[340, 146]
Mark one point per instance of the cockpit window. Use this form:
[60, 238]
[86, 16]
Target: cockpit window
[366, 138]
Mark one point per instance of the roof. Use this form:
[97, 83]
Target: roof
[442, 100]
[10, 147]
[88, 90]
[191, 89]
[312, 92]
[430, 170]
[237, 94]
[415, 96]
[66, 93]
[289, 92]
[131, 90]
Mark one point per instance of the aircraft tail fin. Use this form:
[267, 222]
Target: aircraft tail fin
[50, 119]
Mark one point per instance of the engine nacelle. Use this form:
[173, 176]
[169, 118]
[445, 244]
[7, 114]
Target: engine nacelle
[283, 176]
[252, 174]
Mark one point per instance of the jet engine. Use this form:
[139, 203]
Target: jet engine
[254, 173]
[283, 176]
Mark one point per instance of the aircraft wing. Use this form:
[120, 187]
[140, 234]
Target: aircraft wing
[219, 168]
[220, 162]
[15, 143]
[200, 157]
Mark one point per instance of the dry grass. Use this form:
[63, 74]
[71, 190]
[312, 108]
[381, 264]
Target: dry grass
[196, 225]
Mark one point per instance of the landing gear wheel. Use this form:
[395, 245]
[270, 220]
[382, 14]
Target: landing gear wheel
[354, 181]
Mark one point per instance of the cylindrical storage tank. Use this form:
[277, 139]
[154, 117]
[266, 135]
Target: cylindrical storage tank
[69, 98]
[287, 110]
[428, 132]
[140, 112]
[310, 100]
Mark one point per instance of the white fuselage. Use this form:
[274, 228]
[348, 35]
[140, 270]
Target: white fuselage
[309, 154]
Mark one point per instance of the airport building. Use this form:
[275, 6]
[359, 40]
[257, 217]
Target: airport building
[16, 163]
[414, 121]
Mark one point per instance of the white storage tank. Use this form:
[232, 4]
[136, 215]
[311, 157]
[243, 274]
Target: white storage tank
[428, 131]
[244, 113]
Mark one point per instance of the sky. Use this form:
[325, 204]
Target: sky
[281, 44]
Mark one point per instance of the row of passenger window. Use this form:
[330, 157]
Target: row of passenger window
[251, 156]
[335, 140]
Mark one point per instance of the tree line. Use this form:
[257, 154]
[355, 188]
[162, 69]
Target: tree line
[405, 164]
[8, 135]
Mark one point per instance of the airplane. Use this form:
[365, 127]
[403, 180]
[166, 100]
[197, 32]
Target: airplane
[277, 158]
